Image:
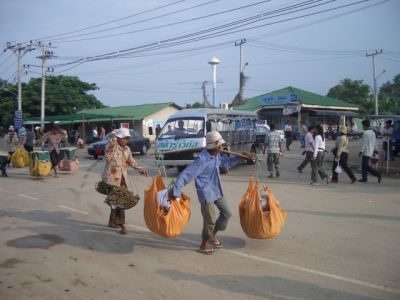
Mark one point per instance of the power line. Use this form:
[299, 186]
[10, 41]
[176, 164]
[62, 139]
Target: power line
[7, 59]
[162, 26]
[137, 22]
[109, 22]
[151, 46]
[175, 41]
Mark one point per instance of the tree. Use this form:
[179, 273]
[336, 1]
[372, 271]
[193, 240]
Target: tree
[64, 95]
[355, 92]
[197, 104]
[389, 96]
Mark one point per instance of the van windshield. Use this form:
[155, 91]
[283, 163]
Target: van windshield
[183, 128]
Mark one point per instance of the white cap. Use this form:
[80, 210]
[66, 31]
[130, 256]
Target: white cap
[11, 127]
[214, 139]
[122, 133]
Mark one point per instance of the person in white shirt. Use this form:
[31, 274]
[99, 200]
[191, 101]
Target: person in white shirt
[387, 139]
[288, 135]
[4, 145]
[318, 157]
[368, 145]
[309, 144]
[303, 132]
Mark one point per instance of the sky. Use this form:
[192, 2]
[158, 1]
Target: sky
[311, 45]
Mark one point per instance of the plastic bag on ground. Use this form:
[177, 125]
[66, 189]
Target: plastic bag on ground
[167, 224]
[256, 223]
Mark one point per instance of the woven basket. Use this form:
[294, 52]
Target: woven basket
[120, 196]
[104, 188]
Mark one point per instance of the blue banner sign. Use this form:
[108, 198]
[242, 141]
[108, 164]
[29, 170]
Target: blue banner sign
[18, 119]
[278, 100]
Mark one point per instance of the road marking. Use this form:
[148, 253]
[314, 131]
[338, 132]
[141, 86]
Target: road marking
[293, 267]
[27, 197]
[73, 209]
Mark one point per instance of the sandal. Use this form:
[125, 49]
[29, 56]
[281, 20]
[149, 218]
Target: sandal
[206, 251]
[217, 244]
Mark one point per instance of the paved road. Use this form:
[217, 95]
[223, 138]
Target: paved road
[339, 242]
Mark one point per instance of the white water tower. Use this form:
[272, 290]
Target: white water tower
[214, 62]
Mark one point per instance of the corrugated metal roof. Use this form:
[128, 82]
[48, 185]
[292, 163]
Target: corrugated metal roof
[133, 112]
[305, 97]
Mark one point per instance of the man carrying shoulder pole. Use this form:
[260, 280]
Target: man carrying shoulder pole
[205, 171]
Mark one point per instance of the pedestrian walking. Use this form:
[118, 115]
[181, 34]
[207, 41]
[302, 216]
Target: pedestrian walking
[310, 146]
[288, 131]
[4, 146]
[102, 133]
[318, 158]
[388, 140]
[205, 172]
[341, 154]
[95, 134]
[274, 149]
[29, 141]
[118, 157]
[368, 145]
[303, 132]
[54, 138]
[13, 142]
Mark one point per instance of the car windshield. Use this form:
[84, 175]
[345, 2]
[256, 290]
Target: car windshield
[183, 128]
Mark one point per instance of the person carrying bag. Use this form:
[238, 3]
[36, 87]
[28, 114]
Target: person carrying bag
[341, 154]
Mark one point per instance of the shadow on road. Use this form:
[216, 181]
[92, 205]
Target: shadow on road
[98, 237]
[344, 215]
[262, 286]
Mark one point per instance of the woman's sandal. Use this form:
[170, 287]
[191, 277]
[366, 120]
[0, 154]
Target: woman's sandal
[217, 244]
[206, 251]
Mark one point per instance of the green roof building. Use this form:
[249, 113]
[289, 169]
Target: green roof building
[292, 105]
[143, 118]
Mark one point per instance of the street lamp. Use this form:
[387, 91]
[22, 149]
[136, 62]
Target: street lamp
[376, 91]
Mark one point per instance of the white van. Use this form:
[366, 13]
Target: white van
[184, 134]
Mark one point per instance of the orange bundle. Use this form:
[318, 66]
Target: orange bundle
[167, 224]
[256, 223]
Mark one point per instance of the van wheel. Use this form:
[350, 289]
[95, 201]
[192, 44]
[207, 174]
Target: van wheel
[143, 151]
[95, 156]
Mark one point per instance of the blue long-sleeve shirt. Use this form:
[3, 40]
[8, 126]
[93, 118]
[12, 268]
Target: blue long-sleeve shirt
[205, 171]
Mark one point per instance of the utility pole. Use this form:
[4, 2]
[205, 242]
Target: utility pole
[373, 54]
[205, 98]
[239, 100]
[19, 52]
[46, 54]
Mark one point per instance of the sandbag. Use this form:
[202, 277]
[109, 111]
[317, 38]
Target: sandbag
[167, 224]
[40, 165]
[20, 158]
[68, 161]
[256, 223]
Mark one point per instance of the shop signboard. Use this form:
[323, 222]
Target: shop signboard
[291, 109]
[17, 119]
[278, 100]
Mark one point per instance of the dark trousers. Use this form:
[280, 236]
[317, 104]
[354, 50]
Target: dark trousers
[3, 164]
[289, 140]
[117, 216]
[344, 156]
[385, 148]
[365, 166]
[317, 167]
[208, 213]
[309, 156]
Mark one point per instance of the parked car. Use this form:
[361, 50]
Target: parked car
[136, 143]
